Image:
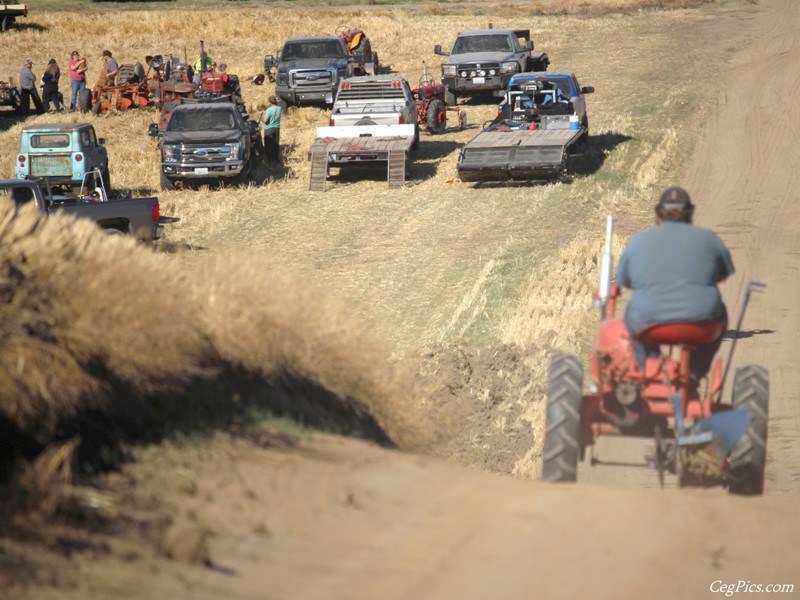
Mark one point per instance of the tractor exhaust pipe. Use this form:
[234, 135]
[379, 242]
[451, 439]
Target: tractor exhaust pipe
[752, 285]
[606, 271]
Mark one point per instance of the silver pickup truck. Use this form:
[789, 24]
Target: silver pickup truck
[486, 59]
[375, 100]
[139, 217]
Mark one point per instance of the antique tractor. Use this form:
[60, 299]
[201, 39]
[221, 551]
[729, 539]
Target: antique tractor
[697, 437]
[173, 82]
[364, 59]
[433, 101]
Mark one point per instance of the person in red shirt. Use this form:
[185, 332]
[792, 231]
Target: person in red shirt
[77, 76]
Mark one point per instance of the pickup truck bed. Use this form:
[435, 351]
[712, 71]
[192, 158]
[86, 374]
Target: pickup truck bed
[520, 154]
[343, 145]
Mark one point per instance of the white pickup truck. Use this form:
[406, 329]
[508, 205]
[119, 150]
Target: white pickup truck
[374, 118]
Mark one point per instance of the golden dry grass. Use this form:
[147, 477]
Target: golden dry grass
[425, 264]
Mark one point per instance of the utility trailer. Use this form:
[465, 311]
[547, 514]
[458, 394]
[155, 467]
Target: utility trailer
[540, 121]
[9, 11]
[358, 144]
[517, 154]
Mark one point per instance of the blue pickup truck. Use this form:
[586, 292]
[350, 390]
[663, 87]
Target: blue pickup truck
[61, 154]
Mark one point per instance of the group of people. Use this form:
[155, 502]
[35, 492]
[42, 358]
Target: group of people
[49, 82]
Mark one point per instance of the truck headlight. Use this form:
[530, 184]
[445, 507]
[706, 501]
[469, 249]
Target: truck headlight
[236, 150]
[509, 67]
[169, 154]
[283, 78]
[448, 70]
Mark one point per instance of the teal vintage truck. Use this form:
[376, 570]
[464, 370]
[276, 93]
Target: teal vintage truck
[61, 154]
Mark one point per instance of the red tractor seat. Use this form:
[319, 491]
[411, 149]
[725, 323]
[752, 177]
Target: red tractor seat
[692, 334]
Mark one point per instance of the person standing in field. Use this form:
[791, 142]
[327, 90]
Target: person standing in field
[271, 131]
[27, 84]
[108, 71]
[50, 93]
[77, 77]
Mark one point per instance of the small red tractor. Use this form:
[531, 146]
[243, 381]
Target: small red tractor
[364, 59]
[173, 82]
[697, 437]
[130, 91]
[433, 101]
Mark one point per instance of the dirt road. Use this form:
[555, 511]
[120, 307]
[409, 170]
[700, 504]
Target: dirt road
[327, 517]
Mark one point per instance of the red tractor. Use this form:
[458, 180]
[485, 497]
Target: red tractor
[173, 82]
[433, 101]
[698, 437]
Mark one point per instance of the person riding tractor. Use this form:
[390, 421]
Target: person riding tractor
[673, 270]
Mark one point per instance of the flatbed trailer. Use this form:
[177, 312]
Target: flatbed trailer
[338, 146]
[519, 154]
[9, 12]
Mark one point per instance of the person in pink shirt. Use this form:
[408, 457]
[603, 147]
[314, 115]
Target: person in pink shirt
[77, 76]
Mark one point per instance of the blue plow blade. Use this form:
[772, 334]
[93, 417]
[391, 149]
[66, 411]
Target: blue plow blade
[727, 427]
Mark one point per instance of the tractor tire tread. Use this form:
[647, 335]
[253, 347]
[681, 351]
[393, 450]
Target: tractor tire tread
[748, 456]
[562, 437]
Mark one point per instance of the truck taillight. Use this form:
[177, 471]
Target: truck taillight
[79, 157]
[330, 121]
[156, 213]
[402, 120]
[21, 158]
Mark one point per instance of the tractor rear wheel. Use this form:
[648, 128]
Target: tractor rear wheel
[436, 120]
[563, 420]
[84, 100]
[749, 453]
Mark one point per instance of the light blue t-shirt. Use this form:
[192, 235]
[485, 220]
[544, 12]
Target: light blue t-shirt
[673, 270]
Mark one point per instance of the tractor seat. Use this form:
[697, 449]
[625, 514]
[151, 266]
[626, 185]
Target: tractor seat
[691, 334]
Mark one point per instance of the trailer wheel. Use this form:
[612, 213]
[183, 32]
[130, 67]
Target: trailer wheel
[166, 183]
[436, 120]
[749, 453]
[563, 420]
[84, 100]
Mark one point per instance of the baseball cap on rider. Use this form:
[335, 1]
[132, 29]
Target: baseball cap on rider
[675, 198]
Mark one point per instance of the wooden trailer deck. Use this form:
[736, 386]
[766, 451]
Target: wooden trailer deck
[520, 154]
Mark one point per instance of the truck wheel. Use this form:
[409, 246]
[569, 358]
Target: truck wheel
[166, 183]
[166, 113]
[436, 120]
[584, 139]
[84, 100]
[749, 453]
[563, 420]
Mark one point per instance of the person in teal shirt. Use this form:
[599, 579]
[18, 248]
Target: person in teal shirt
[271, 131]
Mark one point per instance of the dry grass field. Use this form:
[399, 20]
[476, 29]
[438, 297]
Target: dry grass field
[409, 270]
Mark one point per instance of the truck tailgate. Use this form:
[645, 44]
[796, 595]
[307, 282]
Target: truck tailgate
[51, 165]
[355, 131]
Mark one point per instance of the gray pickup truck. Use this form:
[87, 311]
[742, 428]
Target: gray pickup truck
[206, 141]
[486, 59]
[309, 69]
[139, 217]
